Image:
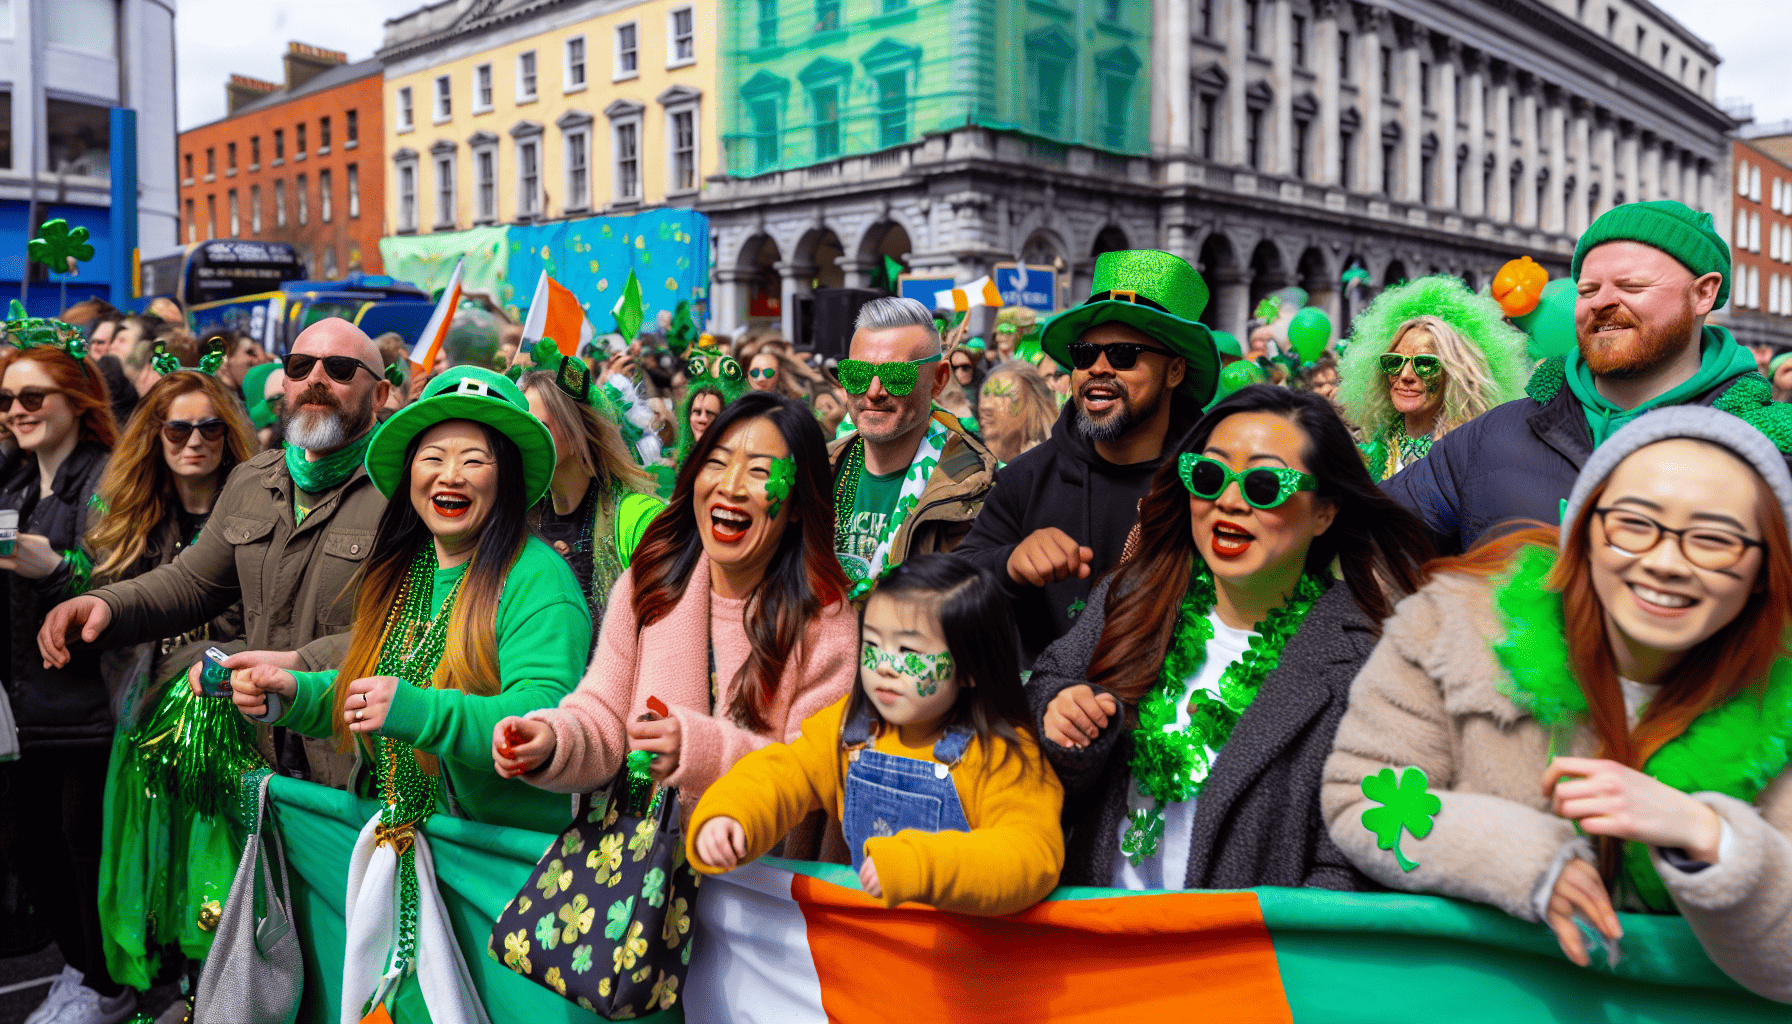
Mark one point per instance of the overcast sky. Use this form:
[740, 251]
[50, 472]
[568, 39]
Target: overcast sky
[218, 37]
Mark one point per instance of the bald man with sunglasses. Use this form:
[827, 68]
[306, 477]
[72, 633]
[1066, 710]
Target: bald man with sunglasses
[907, 480]
[289, 531]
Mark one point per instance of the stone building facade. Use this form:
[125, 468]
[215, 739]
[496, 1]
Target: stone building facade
[1289, 141]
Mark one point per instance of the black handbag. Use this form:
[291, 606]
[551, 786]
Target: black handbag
[605, 919]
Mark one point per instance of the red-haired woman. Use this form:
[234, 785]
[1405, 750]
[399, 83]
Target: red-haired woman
[58, 411]
[733, 614]
[1190, 710]
[1632, 691]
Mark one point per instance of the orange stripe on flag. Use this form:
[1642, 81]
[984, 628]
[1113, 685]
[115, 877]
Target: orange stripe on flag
[1172, 957]
[991, 297]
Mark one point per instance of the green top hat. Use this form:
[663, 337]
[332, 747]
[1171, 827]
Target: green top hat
[1155, 292]
[465, 393]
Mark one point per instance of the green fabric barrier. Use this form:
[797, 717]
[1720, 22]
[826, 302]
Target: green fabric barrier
[1387, 958]
[478, 869]
[428, 261]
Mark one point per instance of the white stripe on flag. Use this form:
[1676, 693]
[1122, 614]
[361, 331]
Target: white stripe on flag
[750, 962]
[537, 322]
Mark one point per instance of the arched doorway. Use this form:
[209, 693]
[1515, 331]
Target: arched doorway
[759, 258]
[1228, 293]
[1268, 272]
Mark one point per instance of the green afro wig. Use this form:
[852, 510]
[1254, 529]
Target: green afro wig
[707, 372]
[1484, 357]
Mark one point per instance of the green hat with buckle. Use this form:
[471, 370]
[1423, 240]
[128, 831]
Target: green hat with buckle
[465, 393]
[1155, 292]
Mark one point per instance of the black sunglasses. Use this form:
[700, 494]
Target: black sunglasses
[177, 431]
[340, 368]
[30, 399]
[1122, 355]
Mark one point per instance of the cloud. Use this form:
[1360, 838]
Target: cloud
[1752, 37]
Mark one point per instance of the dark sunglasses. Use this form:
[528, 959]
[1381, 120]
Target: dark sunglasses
[340, 368]
[898, 378]
[1262, 487]
[177, 431]
[1426, 366]
[30, 399]
[1122, 355]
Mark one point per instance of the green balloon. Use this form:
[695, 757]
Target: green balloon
[1241, 374]
[1309, 332]
[1551, 324]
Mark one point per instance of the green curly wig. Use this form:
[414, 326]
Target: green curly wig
[1499, 347]
[713, 372]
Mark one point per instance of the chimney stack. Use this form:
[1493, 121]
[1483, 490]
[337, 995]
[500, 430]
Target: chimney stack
[241, 90]
[305, 62]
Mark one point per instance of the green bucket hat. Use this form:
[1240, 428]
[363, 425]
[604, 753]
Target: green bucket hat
[1157, 293]
[465, 393]
[255, 382]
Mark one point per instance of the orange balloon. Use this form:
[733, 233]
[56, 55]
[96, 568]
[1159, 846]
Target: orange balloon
[1518, 287]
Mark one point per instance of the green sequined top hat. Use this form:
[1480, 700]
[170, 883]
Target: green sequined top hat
[465, 393]
[1157, 293]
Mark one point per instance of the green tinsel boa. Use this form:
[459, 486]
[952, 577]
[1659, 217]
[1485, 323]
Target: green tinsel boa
[1736, 748]
[329, 471]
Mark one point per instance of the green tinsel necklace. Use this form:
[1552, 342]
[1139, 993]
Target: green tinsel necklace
[1172, 766]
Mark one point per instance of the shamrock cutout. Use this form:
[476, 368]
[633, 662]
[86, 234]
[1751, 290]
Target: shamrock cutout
[616, 919]
[779, 478]
[577, 917]
[516, 952]
[56, 244]
[1405, 804]
[653, 887]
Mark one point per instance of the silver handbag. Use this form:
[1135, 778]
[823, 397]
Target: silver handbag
[255, 971]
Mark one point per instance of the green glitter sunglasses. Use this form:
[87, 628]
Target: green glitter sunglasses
[1426, 366]
[927, 670]
[1262, 487]
[899, 378]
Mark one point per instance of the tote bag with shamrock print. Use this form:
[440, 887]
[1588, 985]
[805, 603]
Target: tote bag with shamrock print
[605, 919]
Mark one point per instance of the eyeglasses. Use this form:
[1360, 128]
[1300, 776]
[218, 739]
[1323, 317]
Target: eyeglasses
[30, 399]
[898, 378]
[340, 368]
[1262, 487]
[177, 431]
[1634, 535]
[1122, 355]
[1426, 366]
[766, 374]
[963, 367]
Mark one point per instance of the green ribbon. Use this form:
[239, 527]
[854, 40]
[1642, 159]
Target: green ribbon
[329, 471]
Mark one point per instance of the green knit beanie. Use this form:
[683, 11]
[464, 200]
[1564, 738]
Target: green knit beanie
[1675, 228]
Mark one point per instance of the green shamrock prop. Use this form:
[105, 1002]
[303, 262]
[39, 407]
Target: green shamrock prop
[56, 244]
[779, 478]
[1404, 804]
[212, 355]
[1269, 309]
[683, 332]
[164, 361]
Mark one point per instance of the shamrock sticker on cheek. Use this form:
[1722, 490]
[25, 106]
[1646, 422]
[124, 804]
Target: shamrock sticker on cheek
[927, 670]
[779, 479]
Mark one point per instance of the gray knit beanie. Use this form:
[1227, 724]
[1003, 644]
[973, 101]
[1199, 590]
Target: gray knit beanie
[1698, 422]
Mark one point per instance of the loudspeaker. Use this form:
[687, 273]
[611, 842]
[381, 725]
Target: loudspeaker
[835, 311]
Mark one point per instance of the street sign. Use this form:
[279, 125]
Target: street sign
[923, 289]
[1041, 286]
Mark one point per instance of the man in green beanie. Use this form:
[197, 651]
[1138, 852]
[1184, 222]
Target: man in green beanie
[1647, 276]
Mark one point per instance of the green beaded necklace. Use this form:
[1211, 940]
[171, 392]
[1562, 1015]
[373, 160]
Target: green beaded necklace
[1172, 766]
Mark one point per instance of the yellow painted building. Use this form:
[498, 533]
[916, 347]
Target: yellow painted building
[510, 111]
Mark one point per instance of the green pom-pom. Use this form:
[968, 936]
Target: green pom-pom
[1547, 380]
[1746, 394]
[1774, 420]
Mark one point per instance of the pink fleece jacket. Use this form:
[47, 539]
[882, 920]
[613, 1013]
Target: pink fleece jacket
[670, 660]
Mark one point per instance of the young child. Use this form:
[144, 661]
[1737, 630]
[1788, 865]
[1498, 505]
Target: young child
[928, 763]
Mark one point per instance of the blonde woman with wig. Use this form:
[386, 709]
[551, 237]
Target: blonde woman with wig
[1425, 357]
[1017, 409]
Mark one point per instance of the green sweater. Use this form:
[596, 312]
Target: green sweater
[544, 632]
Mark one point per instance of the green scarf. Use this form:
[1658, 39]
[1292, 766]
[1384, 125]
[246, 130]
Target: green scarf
[1736, 748]
[329, 471]
[1720, 359]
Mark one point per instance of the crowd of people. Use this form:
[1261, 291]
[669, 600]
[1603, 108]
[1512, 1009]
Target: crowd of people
[978, 617]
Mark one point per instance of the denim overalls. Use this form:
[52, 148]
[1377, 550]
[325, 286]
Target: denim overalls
[886, 794]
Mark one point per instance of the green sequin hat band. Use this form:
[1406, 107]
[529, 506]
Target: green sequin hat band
[923, 668]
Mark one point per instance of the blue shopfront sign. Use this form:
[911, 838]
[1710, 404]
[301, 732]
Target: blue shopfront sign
[923, 289]
[1038, 291]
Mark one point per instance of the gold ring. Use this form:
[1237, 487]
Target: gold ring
[359, 714]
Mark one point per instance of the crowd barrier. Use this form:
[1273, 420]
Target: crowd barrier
[793, 942]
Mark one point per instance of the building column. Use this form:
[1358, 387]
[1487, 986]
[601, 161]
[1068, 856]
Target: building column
[1231, 148]
[1324, 50]
[1524, 202]
[1279, 20]
[1630, 161]
[1706, 185]
[1171, 122]
[1372, 27]
[728, 301]
[1649, 171]
[1689, 179]
[1445, 97]
[1412, 117]
[1606, 149]
[1583, 168]
[1231, 301]
[1502, 205]
[1553, 130]
[1474, 203]
[856, 273]
[796, 281]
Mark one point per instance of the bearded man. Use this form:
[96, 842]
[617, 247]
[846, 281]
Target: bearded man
[1143, 367]
[286, 536]
[1648, 274]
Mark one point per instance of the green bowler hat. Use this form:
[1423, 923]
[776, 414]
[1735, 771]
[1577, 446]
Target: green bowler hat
[1155, 292]
[465, 393]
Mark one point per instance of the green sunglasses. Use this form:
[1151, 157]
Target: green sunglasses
[1262, 487]
[899, 378]
[1426, 366]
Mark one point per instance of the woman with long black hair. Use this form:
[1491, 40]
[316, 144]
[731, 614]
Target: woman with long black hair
[1190, 710]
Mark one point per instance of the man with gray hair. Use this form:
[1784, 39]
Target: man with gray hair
[286, 536]
[908, 480]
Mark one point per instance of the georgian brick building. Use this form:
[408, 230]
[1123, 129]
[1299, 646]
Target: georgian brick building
[1760, 309]
[300, 163]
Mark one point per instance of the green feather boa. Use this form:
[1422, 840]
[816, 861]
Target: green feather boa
[1737, 748]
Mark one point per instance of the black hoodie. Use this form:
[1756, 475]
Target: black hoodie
[1063, 483]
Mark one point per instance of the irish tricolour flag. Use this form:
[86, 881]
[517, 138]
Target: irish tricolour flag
[555, 313]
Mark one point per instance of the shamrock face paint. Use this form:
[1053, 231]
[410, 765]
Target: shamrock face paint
[780, 477]
[904, 667]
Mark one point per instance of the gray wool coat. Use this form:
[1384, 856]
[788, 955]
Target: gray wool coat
[1429, 696]
[1257, 819]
